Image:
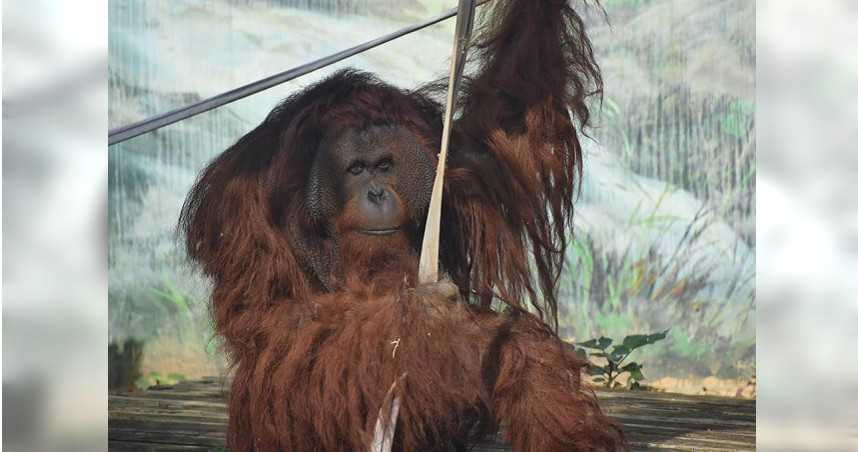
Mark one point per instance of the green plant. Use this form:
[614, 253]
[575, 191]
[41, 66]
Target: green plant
[607, 374]
[155, 378]
[172, 297]
[738, 118]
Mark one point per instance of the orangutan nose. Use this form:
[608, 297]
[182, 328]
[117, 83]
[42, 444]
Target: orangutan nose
[380, 209]
[377, 195]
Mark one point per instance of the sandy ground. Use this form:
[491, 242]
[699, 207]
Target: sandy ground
[746, 389]
[168, 356]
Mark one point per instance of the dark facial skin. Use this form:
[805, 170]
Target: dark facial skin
[369, 191]
[369, 172]
[381, 175]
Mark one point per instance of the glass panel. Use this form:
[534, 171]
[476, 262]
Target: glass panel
[665, 224]
[185, 50]
[164, 55]
[664, 233]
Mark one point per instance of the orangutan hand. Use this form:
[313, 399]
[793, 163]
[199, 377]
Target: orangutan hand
[443, 290]
[439, 298]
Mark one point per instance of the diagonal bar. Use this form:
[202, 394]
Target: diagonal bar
[120, 134]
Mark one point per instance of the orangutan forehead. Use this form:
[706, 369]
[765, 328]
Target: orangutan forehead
[374, 140]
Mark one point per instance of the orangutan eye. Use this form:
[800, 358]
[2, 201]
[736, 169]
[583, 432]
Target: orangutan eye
[384, 165]
[356, 168]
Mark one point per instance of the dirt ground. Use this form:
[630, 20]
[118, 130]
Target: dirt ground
[745, 388]
[168, 356]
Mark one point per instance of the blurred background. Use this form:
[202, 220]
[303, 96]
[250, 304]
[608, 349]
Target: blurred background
[54, 209]
[807, 225]
[665, 233]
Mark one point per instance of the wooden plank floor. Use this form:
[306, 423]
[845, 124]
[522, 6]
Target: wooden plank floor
[191, 416]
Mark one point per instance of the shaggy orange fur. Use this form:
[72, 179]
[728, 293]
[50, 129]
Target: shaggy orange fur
[320, 320]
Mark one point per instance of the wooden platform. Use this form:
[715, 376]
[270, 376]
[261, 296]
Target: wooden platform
[192, 416]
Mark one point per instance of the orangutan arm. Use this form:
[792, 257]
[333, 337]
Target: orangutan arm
[537, 392]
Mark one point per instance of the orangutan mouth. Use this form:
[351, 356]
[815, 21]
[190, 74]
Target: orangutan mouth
[379, 231]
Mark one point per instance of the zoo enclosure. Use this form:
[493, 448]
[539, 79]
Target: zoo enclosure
[120, 134]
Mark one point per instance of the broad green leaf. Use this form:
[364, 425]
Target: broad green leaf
[631, 367]
[600, 343]
[596, 370]
[639, 340]
[619, 352]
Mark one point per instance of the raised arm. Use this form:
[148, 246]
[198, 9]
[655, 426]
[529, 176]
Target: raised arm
[516, 158]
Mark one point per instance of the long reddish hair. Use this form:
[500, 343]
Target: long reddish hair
[513, 169]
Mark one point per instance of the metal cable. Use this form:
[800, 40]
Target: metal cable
[127, 132]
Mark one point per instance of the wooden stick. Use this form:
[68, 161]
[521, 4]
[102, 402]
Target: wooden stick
[428, 269]
[385, 424]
